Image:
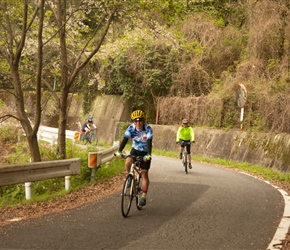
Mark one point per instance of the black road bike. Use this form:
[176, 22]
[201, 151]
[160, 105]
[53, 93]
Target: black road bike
[185, 154]
[132, 187]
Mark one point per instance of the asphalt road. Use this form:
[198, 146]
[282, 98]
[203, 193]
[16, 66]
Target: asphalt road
[210, 208]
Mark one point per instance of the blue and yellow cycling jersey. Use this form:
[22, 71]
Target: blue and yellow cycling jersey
[139, 137]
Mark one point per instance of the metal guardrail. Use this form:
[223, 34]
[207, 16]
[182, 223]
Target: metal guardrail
[95, 159]
[50, 134]
[36, 171]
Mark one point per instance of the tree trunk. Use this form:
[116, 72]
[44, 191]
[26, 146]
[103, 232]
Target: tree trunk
[33, 147]
[61, 16]
[62, 125]
[68, 78]
[19, 101]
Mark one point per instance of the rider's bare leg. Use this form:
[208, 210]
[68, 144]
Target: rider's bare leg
[128, 164]
[189, 158]
[181, 150]
[145, 179]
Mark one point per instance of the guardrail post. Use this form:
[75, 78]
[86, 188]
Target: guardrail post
[27, 190]
[92, 163]
[28, 187]
[97, 159]
[93, 174]
[67, 183]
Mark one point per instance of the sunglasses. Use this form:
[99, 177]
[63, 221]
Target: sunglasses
[139, 120]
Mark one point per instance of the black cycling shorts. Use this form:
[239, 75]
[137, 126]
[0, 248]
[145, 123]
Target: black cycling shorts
[144, 164]
[185, 144]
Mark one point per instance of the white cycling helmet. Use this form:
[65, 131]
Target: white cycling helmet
[184, 121]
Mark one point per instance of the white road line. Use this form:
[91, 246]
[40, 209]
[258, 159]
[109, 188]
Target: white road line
[283, 227]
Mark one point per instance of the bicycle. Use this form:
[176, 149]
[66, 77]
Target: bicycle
[90, 137]
[132, 187]
[185, 162]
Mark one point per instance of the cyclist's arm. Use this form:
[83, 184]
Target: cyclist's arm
[191, 134]
[178, 134]
[123, 144]
[149, 147]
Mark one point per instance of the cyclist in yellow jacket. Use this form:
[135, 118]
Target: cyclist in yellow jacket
[185, 133]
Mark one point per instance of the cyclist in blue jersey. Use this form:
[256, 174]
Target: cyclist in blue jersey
[141, 134]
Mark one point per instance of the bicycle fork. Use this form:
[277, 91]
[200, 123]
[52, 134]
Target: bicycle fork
[137, 186]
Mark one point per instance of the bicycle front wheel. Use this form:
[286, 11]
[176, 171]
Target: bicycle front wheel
[127, 195]
[93, 138]
[185, 163]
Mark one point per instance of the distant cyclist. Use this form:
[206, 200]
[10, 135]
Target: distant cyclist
[142, 135]
[185, 133]
[88, 125]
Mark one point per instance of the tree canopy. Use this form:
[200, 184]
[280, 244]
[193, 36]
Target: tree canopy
[144, 50]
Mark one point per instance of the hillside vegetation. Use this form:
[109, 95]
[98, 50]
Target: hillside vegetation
[193, 67]
[173, 59]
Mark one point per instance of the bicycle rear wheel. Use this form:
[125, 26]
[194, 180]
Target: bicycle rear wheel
[127, 195]
[185, 163]
[139, 192]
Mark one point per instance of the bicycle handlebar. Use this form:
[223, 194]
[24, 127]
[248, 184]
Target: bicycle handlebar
[184, 142]
[134, 157]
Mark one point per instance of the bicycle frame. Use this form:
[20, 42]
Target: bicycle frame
[137, 189]
[90, 137]
[132, 186]
[185, 154]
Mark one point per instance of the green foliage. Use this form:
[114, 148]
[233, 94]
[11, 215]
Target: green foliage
[214, 116]
[223, 12]
[254, 119]
[122, 128]
[20, 154]
[12, 194]
[281, 87]
[162, 48]
[229, 113]
[8, 134]
[140, 73]
[227, 50]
